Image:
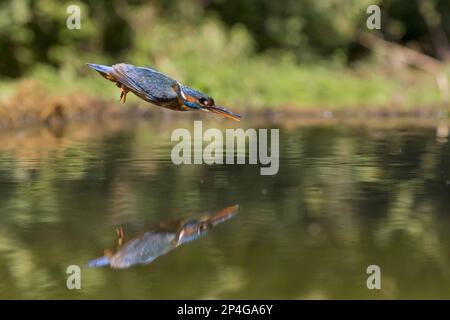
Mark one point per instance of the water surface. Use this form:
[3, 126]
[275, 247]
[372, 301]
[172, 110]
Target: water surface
[346, 196]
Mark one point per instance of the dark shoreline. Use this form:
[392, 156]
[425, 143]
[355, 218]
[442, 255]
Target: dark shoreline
[58, 112]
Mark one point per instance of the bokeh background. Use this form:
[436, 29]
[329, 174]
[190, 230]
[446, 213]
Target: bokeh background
[250, 54]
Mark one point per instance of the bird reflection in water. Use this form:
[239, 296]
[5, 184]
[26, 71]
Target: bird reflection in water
[161, 239]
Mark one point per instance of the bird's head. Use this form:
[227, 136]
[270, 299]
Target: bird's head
[196, 100]
[193, 229]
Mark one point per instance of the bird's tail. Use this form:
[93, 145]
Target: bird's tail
[99, 262]
[104, 70]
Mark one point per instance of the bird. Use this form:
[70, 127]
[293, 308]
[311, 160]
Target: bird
[159, 89]
[160, 239]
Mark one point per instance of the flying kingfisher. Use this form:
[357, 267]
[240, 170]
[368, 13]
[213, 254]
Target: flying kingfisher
[159, 89]
[160, 239]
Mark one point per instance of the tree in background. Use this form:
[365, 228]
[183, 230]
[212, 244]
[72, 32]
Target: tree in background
[33, 32]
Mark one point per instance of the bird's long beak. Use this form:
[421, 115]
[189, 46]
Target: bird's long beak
[224, 112]
[223, 215]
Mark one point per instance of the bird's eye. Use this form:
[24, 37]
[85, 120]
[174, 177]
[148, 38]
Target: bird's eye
[203, 100]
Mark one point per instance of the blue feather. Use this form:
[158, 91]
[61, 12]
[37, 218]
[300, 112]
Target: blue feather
[99, 262]
[100, 68]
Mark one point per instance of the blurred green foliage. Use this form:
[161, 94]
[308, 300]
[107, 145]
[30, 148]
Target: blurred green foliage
[256, 52]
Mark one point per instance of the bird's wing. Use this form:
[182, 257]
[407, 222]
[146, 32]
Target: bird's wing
[147, 83]
[143, 249]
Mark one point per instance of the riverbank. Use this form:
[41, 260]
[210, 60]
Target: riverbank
[44, 98]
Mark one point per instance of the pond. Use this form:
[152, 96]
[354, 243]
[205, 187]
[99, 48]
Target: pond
[346, 196]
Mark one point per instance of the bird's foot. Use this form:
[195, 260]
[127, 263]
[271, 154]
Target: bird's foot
[123, 95]
[120, 236]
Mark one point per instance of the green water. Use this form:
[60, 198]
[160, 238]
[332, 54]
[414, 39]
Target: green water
[345, 197]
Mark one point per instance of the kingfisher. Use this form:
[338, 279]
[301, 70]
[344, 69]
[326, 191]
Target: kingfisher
[160, 239]
[159, 89]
